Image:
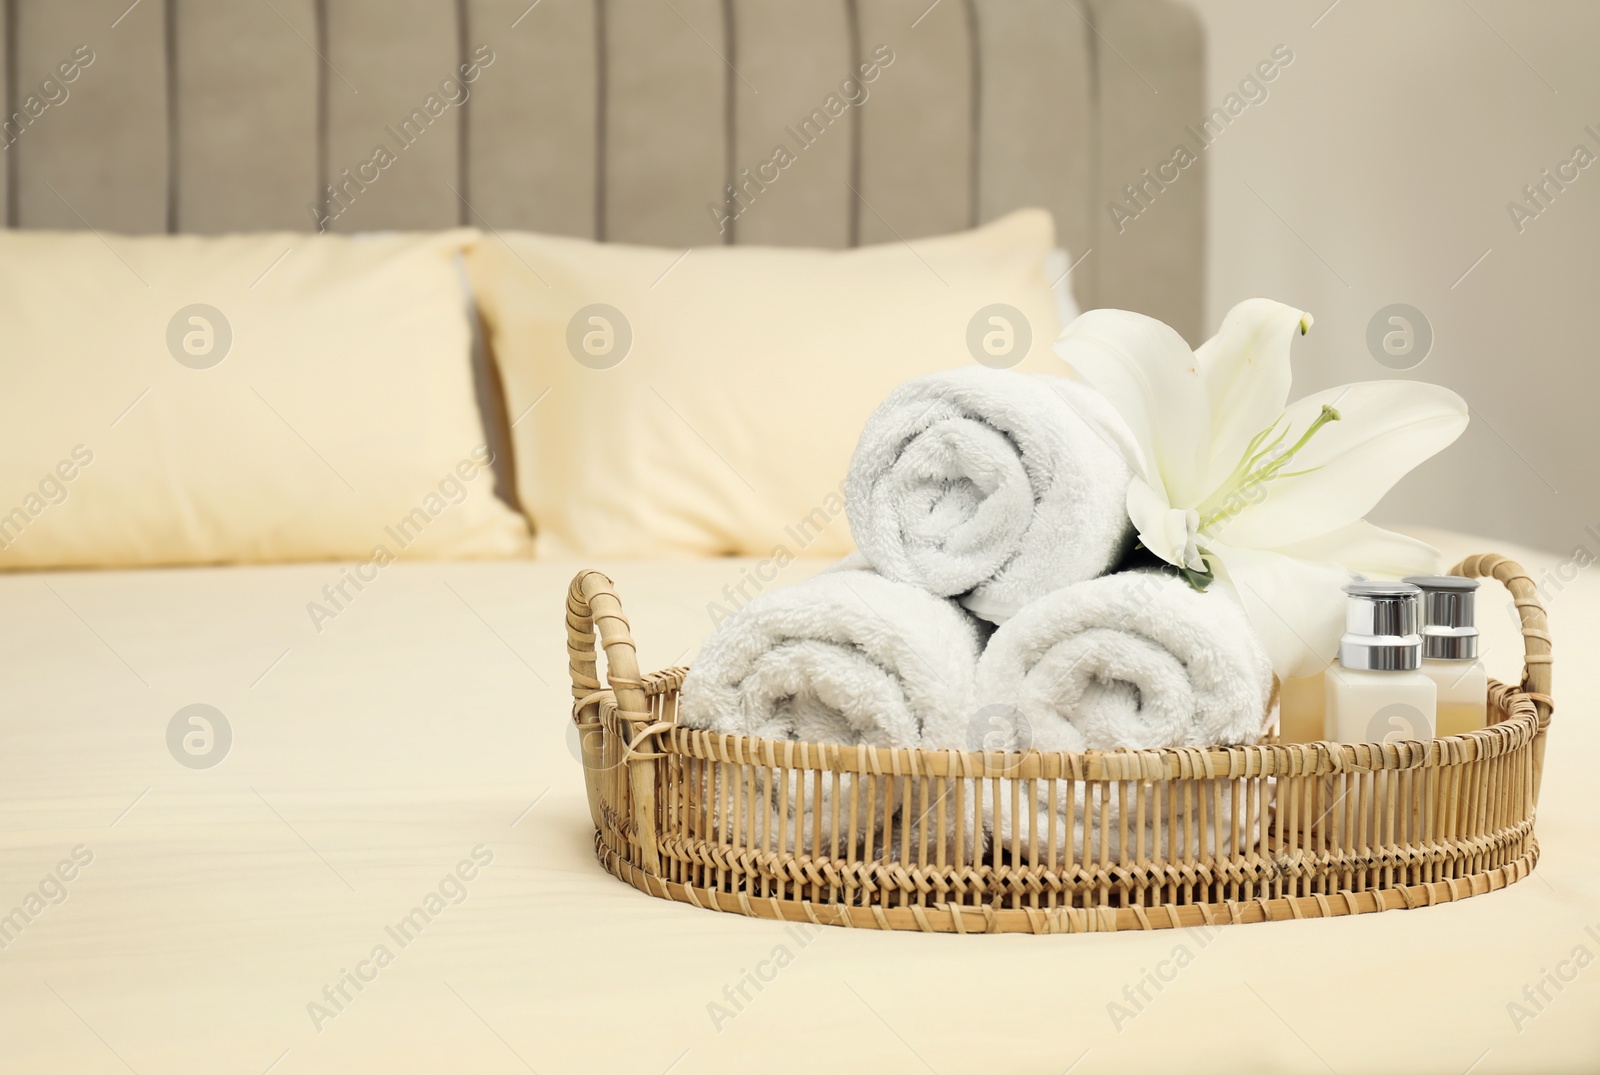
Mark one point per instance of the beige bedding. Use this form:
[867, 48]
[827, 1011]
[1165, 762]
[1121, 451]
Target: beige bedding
[221, 903]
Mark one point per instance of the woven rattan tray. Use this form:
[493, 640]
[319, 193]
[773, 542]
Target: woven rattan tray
[1248, 833]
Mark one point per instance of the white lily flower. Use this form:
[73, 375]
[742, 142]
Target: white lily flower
[1264, 495]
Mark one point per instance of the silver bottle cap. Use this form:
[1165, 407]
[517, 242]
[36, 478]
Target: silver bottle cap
[1449, 627]
[1380, 627]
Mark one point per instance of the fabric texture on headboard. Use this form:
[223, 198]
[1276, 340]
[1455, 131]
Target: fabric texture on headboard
[622, 120]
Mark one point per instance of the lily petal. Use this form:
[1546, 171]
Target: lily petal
[1371, 551]
[1385, 429]
[1167, 532]
[1101, 417]
[1296, 606]
[1245, 367]
[1147, 372]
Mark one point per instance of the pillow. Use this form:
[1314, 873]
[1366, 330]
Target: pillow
[707, 401]
[177, 399]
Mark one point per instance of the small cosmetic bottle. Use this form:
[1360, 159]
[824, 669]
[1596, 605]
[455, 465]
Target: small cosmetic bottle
[1450, 651]
[1376, 692]
[1301, 713]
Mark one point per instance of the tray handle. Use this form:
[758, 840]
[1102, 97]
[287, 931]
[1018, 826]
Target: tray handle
[1535, 624]
[593, 605]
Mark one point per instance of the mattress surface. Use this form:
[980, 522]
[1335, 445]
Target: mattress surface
[404, 746]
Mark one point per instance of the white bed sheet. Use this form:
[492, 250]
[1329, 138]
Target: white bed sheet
[429, 717]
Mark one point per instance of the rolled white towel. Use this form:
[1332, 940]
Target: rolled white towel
[992, 486]
[1137, 660]
[845, 657]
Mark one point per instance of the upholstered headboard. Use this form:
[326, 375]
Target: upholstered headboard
[623, 120]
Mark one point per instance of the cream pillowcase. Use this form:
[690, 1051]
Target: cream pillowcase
[707, 401]
[266, 397]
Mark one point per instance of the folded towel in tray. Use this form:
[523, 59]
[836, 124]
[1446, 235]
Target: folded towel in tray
[845, 657]
[991, 486]
[1137, 660]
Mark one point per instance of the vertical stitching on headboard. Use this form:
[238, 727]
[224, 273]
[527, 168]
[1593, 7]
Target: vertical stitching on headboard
[319, 11]
[730, 114]
[975, 60]
[853, 27]
[169, 45]
[464, 128]
[1091, 295]
[10, 16]
[602, 73]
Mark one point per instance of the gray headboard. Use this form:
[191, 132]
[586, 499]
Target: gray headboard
[623, 120]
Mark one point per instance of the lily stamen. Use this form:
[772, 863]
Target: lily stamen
[1248, 476]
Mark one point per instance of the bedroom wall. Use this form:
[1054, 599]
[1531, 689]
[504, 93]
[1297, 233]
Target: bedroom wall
[1378, 171]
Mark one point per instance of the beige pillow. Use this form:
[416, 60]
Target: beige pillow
[245, 398]
[707, 401]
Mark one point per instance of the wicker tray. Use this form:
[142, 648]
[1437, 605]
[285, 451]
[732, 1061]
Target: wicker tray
[1251, 833]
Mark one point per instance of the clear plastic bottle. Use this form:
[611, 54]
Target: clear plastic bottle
[1302, 712]
[1450, 651]
[1376, 692]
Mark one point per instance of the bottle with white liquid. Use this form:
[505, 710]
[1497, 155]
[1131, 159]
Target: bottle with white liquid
[1376, 690]
[1450, 651]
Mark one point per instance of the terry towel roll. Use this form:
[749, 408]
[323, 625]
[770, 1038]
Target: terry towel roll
[1138, 660]
[991, 486]
[845, 657]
